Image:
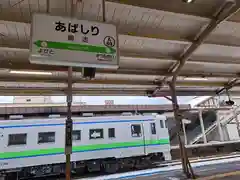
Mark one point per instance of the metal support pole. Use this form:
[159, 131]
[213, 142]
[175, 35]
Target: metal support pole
[48, 6]
[103, 11]
[187, 169]
[68, 126]
[184, 132]
[219, 127]
[202, 127]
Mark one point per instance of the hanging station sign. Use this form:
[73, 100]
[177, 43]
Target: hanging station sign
[70, 42]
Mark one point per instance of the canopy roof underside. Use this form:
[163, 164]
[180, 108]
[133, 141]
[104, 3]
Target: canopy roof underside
[152, 37]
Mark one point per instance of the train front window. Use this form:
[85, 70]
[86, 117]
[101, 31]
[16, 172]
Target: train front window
[153, 128]
[166, 124]
[161, 124]
[136, 130]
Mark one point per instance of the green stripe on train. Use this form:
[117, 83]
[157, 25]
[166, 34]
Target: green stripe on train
[39, 152]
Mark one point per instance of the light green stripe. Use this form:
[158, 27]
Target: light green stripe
[81, 148]
[30, 153]
[75, 47]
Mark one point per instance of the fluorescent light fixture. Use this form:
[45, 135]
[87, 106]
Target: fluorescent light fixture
[31, 72]
[195, 79]
[187, 1]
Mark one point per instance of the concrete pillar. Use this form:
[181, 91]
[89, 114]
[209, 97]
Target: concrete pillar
[220, 131]
[202, 127]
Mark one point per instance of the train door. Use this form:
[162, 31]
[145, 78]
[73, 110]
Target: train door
[151, 136]
[2, 148]
[138, 134]
[2, 143]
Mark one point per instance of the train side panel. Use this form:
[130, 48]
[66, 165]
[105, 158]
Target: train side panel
[119, 146]
[32, 152]
[93, 138]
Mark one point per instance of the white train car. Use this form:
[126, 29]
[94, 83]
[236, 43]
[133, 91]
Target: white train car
[35, 147]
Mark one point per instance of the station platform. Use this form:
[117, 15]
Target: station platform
[234, 177]
[225, 168]
[223, 171]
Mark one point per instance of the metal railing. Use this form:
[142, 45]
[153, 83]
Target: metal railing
[224, 119]
[195, 134]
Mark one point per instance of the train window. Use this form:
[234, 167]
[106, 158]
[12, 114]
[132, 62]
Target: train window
[166, 124]
[161, 124]
[95, 133]
[153, 128]
[46, 137]
[17, 139]
[136, 130]
[76, 135]
[111, 132]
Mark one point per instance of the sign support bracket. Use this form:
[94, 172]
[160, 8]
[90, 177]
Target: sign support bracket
[68, 126]
[69, 123]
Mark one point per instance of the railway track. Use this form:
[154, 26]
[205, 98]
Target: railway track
[155, 166]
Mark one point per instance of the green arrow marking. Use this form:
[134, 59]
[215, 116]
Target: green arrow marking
[75, 47]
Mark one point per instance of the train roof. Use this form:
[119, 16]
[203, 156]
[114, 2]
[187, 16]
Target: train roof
[78, 118]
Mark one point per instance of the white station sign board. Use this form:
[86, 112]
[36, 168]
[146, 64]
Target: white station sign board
[71, 42]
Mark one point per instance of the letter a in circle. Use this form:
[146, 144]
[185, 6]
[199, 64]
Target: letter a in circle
[109, 41]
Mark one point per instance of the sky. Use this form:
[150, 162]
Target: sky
[100, 100]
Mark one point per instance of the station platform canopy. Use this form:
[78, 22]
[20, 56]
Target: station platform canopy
[153, 37]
